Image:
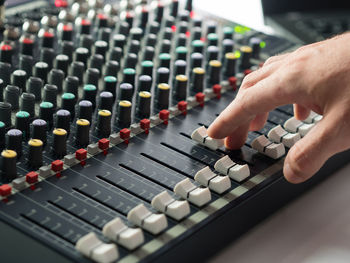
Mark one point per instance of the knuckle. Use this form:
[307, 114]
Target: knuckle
[297, 160]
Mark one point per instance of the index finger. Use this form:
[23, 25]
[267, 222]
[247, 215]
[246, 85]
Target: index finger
[264, 96]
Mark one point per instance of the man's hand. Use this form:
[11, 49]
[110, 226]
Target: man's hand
[314, 77]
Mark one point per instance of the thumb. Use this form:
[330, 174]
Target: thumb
[308, 155]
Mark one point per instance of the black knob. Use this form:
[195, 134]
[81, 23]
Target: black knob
[163, 75]
[40, 70]
[131, 60]
[110, 84]
[147, 68]
[46, 111]
[154, 27]
[92, 76]
[181, 40]
[9, 165]
[68, 103]
[104, 123]
[35, 153]
[62, 62]
[47, 37]
[112, 68]
[12, 96]
[148, 53]
[86, 41]
[151, 40]
[50, 94]
[211, 27]
[67, 48]
[228, 32]
[56, 77]
[26, 45]
[181, 87]
[5, 113]
[164, 60]
[255, 43]
[214, 72]
[163, 91]
[14, 141]
[71, 85]
[65, 31]
[26, 63]
[82, 134]
[5, 72]
[144, 104]
[213, 39]
[39, 130]
[227, 46]
[47, 55]
[63, 119]
[27, 103]
[212, 53]
[119, 40]
[90, 93]
[124, 113]
[126, 91]
[22, 123]
[196, 60]
[197, 43]
[104, 34]
[81, 54]
[115, 54]
[145, 83]
[96, 61]
[174, 7]
[106, 101]
[77, 69]
[6, 52]
[19, 78]
[180, 67]
[197, 80]
[34, 86]
[246, 52]
[101, 48]
[85, 110]
[129, 76]
[165, 46]
[83, 25]
[181, 53]
[230, 64]
[59, 146]
[136, 33]
[167, 33]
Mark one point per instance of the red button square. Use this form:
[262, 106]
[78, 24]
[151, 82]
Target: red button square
[233, 82]
[182, 105]
[164, 115]
[103, 144]
[57, 166]
[81, 154]
[32, 177]
[200, 97]
[5, 190]
[124, 134]
[145, 124]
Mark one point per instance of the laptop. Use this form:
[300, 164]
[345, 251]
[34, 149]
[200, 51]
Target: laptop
[307, 21]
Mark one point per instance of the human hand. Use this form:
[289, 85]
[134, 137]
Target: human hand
[314, 77]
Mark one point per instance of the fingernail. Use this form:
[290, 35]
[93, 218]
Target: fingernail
[290, 175]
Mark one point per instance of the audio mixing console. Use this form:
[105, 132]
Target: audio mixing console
[103, 116]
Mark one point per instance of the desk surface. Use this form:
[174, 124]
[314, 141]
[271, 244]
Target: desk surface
[313, 228]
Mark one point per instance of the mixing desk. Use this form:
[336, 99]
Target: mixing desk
[103, 117]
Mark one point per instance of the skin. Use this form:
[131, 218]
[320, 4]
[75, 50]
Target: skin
[314, 77]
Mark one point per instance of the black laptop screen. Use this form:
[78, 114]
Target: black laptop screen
[283, 6]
